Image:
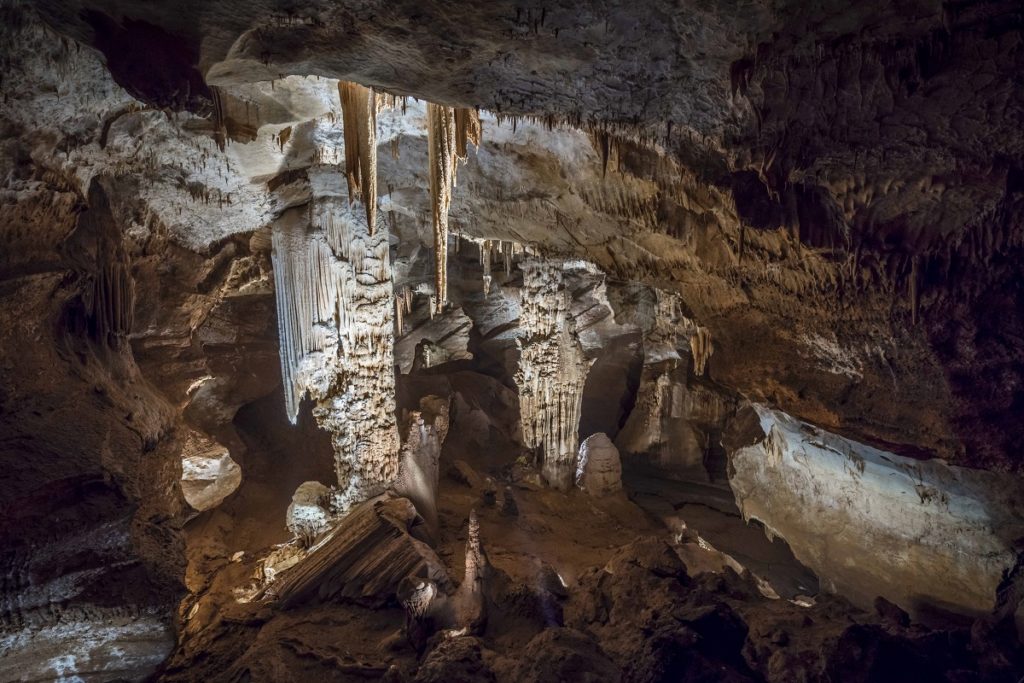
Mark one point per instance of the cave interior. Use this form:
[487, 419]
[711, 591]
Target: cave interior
[348, 340]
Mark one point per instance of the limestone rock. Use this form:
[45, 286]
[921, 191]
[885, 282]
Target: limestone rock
[598, 470]
[552, 370]
[791, 479]
[308, 514]
[208, 474]
[366, 556]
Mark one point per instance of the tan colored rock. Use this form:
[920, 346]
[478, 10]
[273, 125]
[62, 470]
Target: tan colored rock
[208, 474]
[920, 533]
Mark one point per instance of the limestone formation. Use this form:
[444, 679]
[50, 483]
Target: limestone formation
[812, 488]
[470, 610]
[208, 351]
[359, 116]
[308, 514]
[335, 305]
[208, 474]
[551, 372]
[448, 131]
[418, 467]
[365, 557]
[701, 347]
[598, 469]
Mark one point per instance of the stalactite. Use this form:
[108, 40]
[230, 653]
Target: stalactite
[485, 265]
[552, 370]
[467, 129]
[220, 132]
[359, 117]
[448, 132]
[700, 345]
[441, 142]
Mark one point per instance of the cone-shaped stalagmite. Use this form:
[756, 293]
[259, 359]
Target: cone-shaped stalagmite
[359, 115]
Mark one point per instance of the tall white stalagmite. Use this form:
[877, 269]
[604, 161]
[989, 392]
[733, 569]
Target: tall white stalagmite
[552, 370]
[335, 315]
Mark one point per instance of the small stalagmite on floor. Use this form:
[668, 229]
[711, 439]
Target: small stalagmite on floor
[599, 470]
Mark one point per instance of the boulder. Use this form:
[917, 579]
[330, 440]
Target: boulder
[598, 469]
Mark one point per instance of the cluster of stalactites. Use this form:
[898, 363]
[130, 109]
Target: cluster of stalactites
[403, 306]
[449, 130]
[318, 262]
[552, 369]
[359, 118]
[490, 252]
[112, 303]
[701, 347]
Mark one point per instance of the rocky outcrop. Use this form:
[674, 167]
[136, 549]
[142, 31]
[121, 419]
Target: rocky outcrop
[208, 474]
[365, 558]
[923, 534]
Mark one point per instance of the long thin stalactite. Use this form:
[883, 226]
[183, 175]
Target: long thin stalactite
[449, 130]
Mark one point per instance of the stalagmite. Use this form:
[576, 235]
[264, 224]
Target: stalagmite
[470, 614]
[359, 117]
[418, 468]
[700, 345]
[335, 304]
[448, 132]
[307, 515]
[552, 370]
[660, 429]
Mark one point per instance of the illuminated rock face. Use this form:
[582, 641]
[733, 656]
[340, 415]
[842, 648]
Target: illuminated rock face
[335, 307]
[837, 211]
[922, 534]
[552, 370]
